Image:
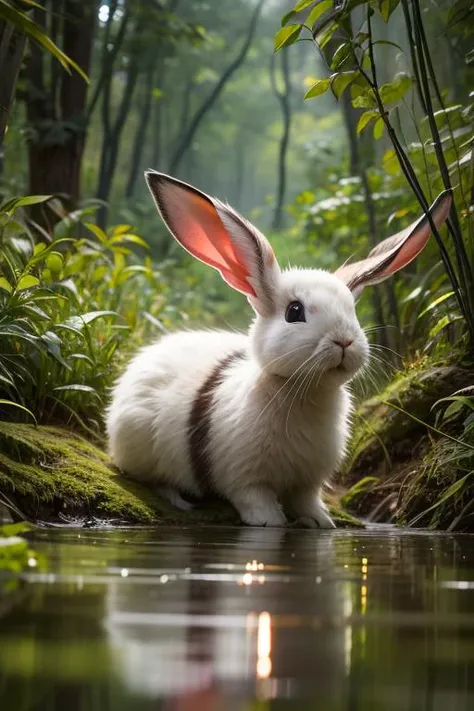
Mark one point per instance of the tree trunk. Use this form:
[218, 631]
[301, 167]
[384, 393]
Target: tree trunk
[140, 136]
[12, 45]
[56, 105]
[284, 99]
[112, 136]
[240, 171]
[208, 103]
[157, 131]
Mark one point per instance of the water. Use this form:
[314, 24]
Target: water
[240, 619]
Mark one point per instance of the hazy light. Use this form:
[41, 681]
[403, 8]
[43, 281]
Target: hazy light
[254, 565]
[104, 12]
[264, 645]
[247, 579]
[363, 599]
[124, 572]
[264, 667]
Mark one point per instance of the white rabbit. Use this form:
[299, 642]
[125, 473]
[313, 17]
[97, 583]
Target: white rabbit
[259, 419]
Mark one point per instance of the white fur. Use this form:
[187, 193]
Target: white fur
[274, 439]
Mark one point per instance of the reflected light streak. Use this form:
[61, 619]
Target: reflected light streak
[363, 599]
[247, 579]
[264, 645]
[254, 565]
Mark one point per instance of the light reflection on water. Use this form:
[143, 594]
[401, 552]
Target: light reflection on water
[217, 619]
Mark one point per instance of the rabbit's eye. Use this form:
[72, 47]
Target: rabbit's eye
[295, 312]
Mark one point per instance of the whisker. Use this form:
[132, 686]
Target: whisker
[386, 348]
[379, 327]
[307, 377]
[294, 350]
[287, 382]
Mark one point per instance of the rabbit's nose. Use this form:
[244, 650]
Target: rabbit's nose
[343, 343]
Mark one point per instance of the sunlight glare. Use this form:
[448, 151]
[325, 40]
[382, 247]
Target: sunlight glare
[104, 11]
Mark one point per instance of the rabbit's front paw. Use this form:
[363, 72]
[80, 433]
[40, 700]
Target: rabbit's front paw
[310, 510]
[264, 516]
[259, 507]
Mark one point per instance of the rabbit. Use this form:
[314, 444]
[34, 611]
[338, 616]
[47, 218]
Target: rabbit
[262, 419]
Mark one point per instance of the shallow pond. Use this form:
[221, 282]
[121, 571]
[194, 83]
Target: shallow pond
[240, 618]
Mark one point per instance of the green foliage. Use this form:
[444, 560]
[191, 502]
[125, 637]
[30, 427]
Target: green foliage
[31, 29]
[442, 156]
[448, 470]
[65, 307]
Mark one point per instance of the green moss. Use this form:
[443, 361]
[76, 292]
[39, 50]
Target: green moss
[48, 471]
[399, 470]
[441, 493]
[343, 519]
[384, 436]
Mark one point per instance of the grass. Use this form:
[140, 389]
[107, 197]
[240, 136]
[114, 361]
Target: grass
[412, 459]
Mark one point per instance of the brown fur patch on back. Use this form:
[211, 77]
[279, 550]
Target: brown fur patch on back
[199, 422]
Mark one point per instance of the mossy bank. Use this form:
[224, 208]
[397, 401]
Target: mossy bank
[401, 468]
[52, 474]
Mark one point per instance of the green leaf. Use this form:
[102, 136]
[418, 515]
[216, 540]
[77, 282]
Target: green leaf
[98, 231]
[343, 52]
[340, 82]
[386, 7]
[77, 387]
[135, 239]
[287, 16]
[23, 23]
[286, 36]
[120, 230]
[318, 11]
[464, 400]
[362, 97]
[436, 303]
[11, 205]
[319, 87]
[459, 12]
[85, 319]
[20, 407]
[389, 44]
[390, 162]
[40, 247]
[35, 311]
[39, 255]
[27, 282]
[365, 119]
[395, 90]
[379, 128]
[442, 323]
[54, 261]
[5, 285]
[302, 4]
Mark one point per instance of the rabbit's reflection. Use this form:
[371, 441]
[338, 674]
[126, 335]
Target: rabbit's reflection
[228, 620]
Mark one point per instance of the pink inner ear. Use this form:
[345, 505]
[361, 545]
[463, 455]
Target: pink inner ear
[409, 251]
[195, 224]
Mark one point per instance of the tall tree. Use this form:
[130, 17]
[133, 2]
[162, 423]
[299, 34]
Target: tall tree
[12, 45]
[284, 98]
[209, 101]
[142, 127]
[56, 100]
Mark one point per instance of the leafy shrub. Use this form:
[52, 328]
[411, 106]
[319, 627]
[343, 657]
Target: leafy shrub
[66, 305]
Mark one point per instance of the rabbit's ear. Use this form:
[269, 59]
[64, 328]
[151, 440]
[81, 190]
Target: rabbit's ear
[217, 235]
[395, 252]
